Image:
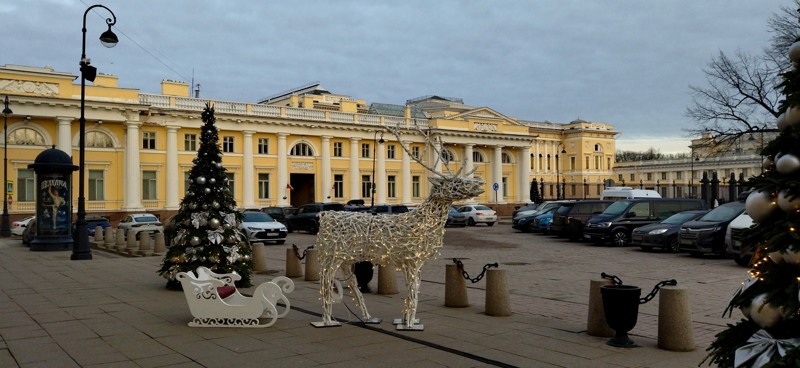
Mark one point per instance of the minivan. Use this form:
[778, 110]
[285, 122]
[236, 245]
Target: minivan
[569, 218]
[707, 234]
[615, 193]
[617, 222]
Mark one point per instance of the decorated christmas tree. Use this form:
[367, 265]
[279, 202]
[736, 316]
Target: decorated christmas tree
[207, 223]
[769, 299]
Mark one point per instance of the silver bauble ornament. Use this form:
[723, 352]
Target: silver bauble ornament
[781, 122]
[200, 180]
[212, 181]
[205, 206]
[187, 222]
[768, 163]
[759, 205]
[788, 205]
[787, 164]
[218, 165]
[226, 226]
[189, 193]
[219, 154]
[231, 239]
[207, 190]
[213, 223]
[193, 206]
[792, 115]
[195, 241]
[794, 52]
[764, 314]
[215, 205]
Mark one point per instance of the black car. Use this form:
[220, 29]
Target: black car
[664, 234]
[707, 234]
[307, 216]
[526, 223]
[455, 218]
[280, 214]
[387, 209]
[29, 233]
[569, 218]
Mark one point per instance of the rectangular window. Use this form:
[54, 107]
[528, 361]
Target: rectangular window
[190, 142]
[148, 140]
[608, 163]
[227, 143]
[679, 175]
[229, 178]
[186, 182]
[263, 186]
[415, 187]
[338, 148]
[96, 185]
[744, 172]
[597, 162]
[649, 176]
[572, 163]
[366, 186]
[663, 175]
[390, 151]
[633, 177]
[587, 162]
[391, 186]
[504, 181]
[365, 151]
[619, 177]
[572, 189]
[338, 185]
[26, 186]
[149, 185]
[263, 147]
[415, 152]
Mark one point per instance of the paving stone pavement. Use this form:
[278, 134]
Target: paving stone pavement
[114, 311]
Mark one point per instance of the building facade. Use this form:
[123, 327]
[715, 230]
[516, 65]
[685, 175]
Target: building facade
[300, 146]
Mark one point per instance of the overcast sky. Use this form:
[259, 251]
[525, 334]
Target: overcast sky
[628, 63]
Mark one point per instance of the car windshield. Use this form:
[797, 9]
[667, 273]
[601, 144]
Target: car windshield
[453, 210]
[617, 208]
[549, 210]
[563, 209]
[724, 213]
[145, 219]
[257, 217]
[528, 207]
[679, 218]
[482, 208]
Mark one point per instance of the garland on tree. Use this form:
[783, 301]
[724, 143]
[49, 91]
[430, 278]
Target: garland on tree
[769, 335]
[207, 223]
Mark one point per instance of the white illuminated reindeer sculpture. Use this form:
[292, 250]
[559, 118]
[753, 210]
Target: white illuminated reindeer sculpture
[407, 240]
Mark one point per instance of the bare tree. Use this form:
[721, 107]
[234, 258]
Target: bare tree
[744, 91]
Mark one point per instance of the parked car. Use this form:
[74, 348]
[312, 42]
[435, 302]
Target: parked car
[141, 223]
[527, 224]
[733, 239]
[538, 208]
[665, 233]
[478, 213]
[525, 210]
[260, 227]
[542, 221]
[617, 193]
[617, 222]
[455, 218]
[307, 216]
[91, 224]
[707, 234]
[17, 227]
[29, 233]
[279, 214]
[388, 209]
[570, 217]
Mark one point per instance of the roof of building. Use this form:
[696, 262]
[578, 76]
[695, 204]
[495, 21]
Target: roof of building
[395, 110]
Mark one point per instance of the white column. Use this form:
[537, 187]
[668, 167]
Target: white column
[380, 173]
[133, 173]
[326, 167]
[355, 172]
[524, 186]
[468, 156]
[497, 174]
[65, 134]
[248, 175]
[283, 171]
[437, 151]
[173, 175]
[405, 172]
[536, 151]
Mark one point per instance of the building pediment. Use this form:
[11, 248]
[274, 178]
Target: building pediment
[483, 120]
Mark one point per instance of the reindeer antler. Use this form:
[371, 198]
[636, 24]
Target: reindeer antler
[394, 130]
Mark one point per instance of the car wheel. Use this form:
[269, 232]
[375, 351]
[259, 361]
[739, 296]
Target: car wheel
[620, 238]
[490, 224]
[470, 222]
[279, 242]
[314, 229]
[742, 261]
[674, 244]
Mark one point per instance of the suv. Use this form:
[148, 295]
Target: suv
[91, 224]
[307, 216]
[141, 223]
[707, 234]
[280, 214]
[620, 218]
[388, 209]
[733, 239]
[569, 218]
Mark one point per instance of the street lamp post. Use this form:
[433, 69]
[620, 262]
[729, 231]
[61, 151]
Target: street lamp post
[81, 249]
[559, 195]
[375, 142]
[5, 228]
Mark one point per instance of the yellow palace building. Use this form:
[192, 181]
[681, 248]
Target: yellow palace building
[300, 146]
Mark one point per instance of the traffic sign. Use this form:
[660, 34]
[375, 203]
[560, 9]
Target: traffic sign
[495, 186]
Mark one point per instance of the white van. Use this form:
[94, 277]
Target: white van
[615, 193]
[733, 239]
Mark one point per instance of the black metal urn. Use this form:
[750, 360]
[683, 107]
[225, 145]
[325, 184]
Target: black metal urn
[621, 307]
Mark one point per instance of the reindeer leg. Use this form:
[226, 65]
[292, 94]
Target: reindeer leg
[326, 284]
[409, 321]
[347, 270]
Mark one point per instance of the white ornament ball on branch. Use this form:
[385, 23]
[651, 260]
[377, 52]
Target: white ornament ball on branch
[768, 163]
[781, 122]
[792, 115]
[794, 52]
[213, 223]
[200, 180]
[212, 181]
[194, 241]
[787, 164]
[207, 191]
[786, 204]
[764, 314]
[759, 205]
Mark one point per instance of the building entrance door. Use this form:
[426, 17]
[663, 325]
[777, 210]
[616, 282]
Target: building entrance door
[303, 191]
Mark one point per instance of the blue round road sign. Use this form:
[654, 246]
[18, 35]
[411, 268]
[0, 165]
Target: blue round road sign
[495, 186]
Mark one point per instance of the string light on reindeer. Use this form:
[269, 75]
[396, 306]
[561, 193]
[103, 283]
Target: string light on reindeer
[407, 240]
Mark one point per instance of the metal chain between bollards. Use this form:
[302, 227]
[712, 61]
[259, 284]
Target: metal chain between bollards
[658, 286]
[615, 279]
[477, 278]
[297, 254]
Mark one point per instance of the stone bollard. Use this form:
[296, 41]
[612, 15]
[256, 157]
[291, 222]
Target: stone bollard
[98, 233]
[159, 248]
[675, 320]
[596, 324]
[145, 244]
[132, 247]
[312, 265]
[497, 300]
[387, 280]
[109, 237]
[120, 240]
[455, 288]
[293, 266]
[259, 258]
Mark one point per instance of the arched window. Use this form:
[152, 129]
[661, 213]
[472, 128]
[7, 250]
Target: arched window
[301, 149]
[448, 155]
[598, 148]
[506, 158]
[99, 140]
[478, 157]
[25, 137]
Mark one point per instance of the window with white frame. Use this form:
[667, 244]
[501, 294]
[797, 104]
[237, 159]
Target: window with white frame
[263, 146]
[96, 185]
[366, 186]
[190, 142]
[25, 137]
[478, 157]
[390, 151]
[149, 185]
[26, 186]
[263, 185]
[365, 150]
[505, 185]
[149, 140]
[227, 143]
[447, 155]
[415, 152]
[338, 186]
[338, 149]
[505, 157]
[391, 186]
[415, 186]
[97, 139]
[301, 149]
[229, 178]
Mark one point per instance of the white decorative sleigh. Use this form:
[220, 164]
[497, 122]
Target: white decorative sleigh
[214, 301]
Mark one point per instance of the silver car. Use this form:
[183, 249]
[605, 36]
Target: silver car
[260, 227]
[141, 223]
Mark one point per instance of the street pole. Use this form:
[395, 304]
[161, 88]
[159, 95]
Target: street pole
[5, 228]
